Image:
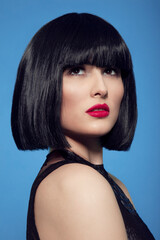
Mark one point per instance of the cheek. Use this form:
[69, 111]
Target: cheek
[120, 93]
[117, 93]
[70, 104]
[70, 97]
[116, 99]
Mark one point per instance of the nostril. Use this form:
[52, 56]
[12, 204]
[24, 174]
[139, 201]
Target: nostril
[105, 94]
[102, 94]
[97, 94]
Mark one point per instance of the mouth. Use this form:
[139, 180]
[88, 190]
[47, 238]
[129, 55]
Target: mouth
[98, 110]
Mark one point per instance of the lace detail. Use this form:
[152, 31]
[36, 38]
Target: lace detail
[121, 196]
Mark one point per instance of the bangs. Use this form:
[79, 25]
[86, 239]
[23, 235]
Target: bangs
[94, 42]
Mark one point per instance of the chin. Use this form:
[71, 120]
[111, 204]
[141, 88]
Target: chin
[95, 133]
[100, 130]
[91, 130]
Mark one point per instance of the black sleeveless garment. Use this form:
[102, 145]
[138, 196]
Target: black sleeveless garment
[136, 229]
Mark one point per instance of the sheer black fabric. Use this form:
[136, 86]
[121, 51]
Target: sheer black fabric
[136, 229]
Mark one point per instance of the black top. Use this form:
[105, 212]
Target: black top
[136, 229]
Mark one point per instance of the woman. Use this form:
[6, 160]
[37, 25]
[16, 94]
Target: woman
[75, 94]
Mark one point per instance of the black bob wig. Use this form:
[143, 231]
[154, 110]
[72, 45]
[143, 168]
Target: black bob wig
[70, 40]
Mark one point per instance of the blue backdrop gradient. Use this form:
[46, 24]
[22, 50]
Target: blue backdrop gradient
[138, 21]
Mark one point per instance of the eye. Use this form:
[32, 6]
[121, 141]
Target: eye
[76, 71]
[111, 71]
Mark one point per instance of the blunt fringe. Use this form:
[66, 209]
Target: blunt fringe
[70, 40]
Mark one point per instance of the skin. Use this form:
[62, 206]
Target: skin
[84, 87]
[75, 202]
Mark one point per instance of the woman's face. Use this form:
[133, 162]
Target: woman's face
[91, 98]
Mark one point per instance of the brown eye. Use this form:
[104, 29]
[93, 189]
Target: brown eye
[112, 72]
[76, 71]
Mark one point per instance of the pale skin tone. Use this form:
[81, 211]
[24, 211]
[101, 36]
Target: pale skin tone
[75, 202]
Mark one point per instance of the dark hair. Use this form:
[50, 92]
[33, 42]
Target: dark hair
[72, 39]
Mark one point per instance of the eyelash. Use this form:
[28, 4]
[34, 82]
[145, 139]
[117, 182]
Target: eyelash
[76, 70]
[111, 71]
[73, 70]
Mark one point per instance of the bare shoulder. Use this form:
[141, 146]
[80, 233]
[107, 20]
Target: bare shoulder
[68, 175]
[122, 186]
[76, 197]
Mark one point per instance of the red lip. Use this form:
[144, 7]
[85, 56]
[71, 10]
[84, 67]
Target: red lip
[102, 110]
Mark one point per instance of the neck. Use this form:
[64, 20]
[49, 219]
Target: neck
[88, 149]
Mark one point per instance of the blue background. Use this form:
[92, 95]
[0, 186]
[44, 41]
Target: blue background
[138, 21]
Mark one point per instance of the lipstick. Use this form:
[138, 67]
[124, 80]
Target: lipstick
[99, 110]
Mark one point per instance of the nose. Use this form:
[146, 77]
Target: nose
[99, 87]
